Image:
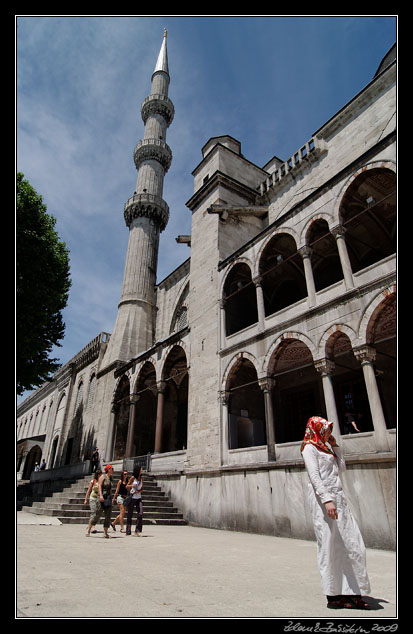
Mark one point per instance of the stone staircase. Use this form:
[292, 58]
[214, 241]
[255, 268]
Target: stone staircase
[67, 505]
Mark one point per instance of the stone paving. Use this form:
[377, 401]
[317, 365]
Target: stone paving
[181, 572]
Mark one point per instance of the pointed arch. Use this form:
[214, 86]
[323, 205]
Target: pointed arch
[175, 379]
[145, 392]
[281, 271]
[121, 406]
[246, 407]
[239, 298]
[368, 212]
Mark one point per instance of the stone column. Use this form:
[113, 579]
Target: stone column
[260, 303]
[159, 416]
[305, 253]
[267, 385]
[131, 425]
[224, 396]
[338, 232]
[367, 355]
[326, 367]
[222, 322]
[111, 434]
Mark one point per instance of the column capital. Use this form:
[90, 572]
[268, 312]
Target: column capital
[324, 366]
[305, 252]
[161, 387]
[257, 280]
[224, 397]
[266, 383]
[338, 231]
[365, 354]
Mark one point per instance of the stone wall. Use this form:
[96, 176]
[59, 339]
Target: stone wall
[272, 499]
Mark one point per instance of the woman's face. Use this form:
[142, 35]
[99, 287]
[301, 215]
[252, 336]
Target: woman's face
[327, 433]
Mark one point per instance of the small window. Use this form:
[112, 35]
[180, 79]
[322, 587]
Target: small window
[181, 319]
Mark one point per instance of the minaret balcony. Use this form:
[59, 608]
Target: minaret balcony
[158, 105]
[155, 150]
[146, 206]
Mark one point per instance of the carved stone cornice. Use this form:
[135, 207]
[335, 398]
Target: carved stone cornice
[158, 105]
[147, 206]
[155, 150]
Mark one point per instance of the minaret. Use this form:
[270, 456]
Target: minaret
[146, 214]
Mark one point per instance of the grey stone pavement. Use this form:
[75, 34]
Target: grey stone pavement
[181, 572]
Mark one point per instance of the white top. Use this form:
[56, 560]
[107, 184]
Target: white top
[323, 471]
[136, 488]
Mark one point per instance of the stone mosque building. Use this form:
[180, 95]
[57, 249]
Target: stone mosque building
[286, 308]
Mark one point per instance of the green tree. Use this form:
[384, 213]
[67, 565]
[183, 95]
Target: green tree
[42, 288]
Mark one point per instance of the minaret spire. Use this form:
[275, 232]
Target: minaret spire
[162, 63]
[146, 215]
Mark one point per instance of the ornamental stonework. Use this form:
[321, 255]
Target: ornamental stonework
[155, 150]
[158, 105]
[147, 206]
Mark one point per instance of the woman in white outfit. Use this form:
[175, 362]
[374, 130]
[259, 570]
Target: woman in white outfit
[341, 553]
[135, 487]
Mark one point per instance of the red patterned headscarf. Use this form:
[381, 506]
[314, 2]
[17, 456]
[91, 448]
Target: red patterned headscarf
[315, 433]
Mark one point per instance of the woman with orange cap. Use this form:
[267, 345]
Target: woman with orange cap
[341, 553]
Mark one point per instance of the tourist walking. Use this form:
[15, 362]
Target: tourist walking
[95, 460]
[92, 496]
[105, 487]
[341, 553]
[120, 494]
[135, 487]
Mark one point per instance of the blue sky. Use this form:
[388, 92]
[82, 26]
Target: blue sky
[268, 81]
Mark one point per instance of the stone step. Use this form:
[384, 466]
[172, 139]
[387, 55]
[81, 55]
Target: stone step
[68, 504]
[57, 511]
[161, 521]
[79, 500]
[75, 506]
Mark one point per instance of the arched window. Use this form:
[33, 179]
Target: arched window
[240, 299]
[79, 397]
[60, 414]
[368, 212]
[246, 409]
[382, 336]
[145, 411]
[282, 274]
[121, 408]
[175, 376]
[349, 384]
[180, 316]
[296, 393]
[325, 260]
[92, 384]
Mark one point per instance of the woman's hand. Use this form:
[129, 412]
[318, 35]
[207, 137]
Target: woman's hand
[331, 510]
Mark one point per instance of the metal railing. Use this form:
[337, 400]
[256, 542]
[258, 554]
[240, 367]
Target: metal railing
[129, 464]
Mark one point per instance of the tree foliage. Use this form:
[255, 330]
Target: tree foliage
[42, 288]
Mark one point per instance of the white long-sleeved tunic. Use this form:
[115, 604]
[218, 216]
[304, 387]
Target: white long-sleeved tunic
[341, 553]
